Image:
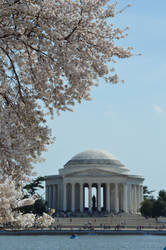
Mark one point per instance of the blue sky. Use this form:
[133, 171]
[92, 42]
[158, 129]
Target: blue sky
[128, 120]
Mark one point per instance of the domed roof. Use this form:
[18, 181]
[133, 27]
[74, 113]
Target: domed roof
[93, 157]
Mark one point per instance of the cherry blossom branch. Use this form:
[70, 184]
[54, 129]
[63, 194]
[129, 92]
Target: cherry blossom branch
[74, 29]
[15, 72]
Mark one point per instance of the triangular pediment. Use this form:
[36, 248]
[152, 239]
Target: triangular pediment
[92, 173]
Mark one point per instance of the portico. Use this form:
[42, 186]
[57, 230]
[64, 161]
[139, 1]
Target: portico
[94, 170]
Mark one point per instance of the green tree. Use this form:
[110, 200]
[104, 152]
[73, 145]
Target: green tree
[153, 207]
[162, 195]
[38, 208]
[146, 208]
[31, 189]
[147, 193]
[158, 208]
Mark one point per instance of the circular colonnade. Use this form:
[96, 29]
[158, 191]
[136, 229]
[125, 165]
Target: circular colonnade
[94, 180]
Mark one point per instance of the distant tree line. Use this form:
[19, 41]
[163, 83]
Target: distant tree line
[152, 207]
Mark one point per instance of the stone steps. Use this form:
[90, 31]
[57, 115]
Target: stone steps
[126, 220]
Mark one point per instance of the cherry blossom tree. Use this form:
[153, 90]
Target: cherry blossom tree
[51, 53]
[11, 198]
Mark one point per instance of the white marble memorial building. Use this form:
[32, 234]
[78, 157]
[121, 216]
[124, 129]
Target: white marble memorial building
[94, 173]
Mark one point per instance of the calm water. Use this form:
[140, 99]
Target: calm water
[91, 242]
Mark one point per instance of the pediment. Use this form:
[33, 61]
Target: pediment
[92, 173]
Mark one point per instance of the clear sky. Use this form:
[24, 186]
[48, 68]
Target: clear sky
[127, 120]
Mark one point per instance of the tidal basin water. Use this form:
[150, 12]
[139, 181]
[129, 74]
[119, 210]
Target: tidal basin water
[88, 242]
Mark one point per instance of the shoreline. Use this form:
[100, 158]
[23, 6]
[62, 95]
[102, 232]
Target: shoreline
[82, 232]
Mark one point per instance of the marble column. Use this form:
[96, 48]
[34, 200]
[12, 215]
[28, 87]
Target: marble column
[59, 196]
[132, 198]
[54, 196]
[142, 195]
[129, 198]
[50, 196]
[139, 195]
[99, 197]
[108, 197]
[116, 198]
[135, 198]
[64, 197]
[104, 196]
[73, 197]
[47, 194]
[81, 197]
[125, 208]
[90, 197]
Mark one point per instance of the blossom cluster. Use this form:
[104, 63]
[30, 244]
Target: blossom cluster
[11, 198]
[54, 51]
[44, 221]
[30, 220]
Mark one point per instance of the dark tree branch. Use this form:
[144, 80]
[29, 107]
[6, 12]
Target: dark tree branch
[15, 72]
[8, 35]
[39, 51]
[6, 98]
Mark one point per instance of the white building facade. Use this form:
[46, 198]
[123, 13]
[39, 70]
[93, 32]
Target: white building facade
[94, 180]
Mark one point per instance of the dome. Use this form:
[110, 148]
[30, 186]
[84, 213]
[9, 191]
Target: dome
[93, 157]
